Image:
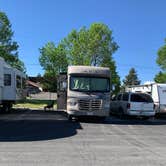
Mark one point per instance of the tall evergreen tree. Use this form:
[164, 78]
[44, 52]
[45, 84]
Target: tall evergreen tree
[131, 78]
[160, 77]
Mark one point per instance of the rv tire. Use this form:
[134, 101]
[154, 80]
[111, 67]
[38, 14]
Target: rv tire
[7, 107]
[70, 117]
[121, 113]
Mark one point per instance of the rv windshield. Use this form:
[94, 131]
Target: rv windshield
[89, 84]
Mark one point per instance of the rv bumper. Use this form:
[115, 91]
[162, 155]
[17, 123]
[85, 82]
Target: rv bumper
[103, 113]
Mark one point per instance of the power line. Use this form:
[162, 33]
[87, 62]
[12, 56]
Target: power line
[142, 67]
[137, 66]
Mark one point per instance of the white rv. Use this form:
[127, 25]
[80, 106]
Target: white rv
[157, 91]
[12, 85]
[87, 92]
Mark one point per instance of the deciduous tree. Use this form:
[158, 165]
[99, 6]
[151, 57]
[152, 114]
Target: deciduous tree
[53, 59]
[161, 61]
[8, 47]
[94, 46]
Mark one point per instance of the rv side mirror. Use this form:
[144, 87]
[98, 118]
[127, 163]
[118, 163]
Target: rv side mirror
[113, 87]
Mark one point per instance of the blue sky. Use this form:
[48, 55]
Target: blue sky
[139, 28]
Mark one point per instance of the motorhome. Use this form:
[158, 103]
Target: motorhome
[157, 91]
[84, 91]
[12, 85]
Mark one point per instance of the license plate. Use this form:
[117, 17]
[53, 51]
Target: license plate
[89, 113]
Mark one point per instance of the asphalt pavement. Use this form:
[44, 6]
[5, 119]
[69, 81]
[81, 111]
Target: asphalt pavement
[32, 138]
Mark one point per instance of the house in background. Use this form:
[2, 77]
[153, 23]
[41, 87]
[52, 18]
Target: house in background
[33, 87]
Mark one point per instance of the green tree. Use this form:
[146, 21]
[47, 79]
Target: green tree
[161, 61]
[131, 78]
[76, 45]
[53, 60]
[8, 48]
[160, 77]
[49, 82]
[94, 46]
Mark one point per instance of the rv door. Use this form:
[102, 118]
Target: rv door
[62, 92]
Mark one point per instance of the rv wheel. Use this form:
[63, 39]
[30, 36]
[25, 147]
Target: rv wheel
[70, 117]
[145, 118]
[7, 107]
[103, 118]
[121, 113]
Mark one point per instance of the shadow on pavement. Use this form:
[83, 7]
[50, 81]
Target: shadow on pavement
[90, 119]
[134, 121]
[161, 116]
[114, 120]
[36, 126]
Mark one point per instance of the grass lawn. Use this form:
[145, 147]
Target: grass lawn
[34, 104]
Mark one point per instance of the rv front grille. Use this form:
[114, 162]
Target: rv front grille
[90, 105]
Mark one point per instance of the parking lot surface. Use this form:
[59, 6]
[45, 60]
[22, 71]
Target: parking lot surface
[29, 137]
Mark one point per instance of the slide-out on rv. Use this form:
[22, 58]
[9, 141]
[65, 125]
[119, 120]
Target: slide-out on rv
[84, 91]
[12, 85]
[157, 91]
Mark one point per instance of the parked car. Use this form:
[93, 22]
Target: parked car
[157, 91]
[133, 104]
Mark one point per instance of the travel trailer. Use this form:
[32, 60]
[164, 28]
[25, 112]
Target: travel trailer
[157, 91]
[84, 91]
[12, 85]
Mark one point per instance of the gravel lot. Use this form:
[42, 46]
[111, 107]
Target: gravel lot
[29, 137]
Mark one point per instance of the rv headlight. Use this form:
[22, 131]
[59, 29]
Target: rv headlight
[72, 102]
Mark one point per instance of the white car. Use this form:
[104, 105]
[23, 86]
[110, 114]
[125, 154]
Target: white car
[134, 104]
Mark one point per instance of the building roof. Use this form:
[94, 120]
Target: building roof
[33, 84]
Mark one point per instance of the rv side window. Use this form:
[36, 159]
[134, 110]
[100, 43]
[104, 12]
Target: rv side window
[7, 79]
[141, 98]
[18, 81]
[23, 83]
